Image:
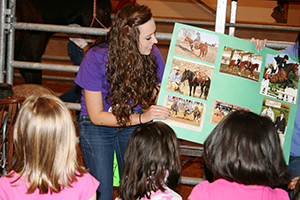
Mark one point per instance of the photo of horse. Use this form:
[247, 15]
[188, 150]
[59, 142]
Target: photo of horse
[185, 110]
[197, 45]
[241, 63]
[190, 78]
[280, 78]
[220, 109]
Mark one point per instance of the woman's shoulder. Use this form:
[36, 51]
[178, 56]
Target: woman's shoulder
[98, 49]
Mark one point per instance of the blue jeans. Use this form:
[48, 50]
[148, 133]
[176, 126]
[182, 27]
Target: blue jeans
[97, 145]
[75, 52]
[76, 55]
[294, 166]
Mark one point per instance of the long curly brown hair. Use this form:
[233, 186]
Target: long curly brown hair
[130, 74]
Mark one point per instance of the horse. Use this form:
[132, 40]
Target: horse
[244, 66]
[197, 114]
[195, 80]
[231, 65]
[30, 45]
[174, 109]
[201, 46]
[282, 75]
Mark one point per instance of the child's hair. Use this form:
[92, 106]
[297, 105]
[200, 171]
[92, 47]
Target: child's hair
[151, 161]
[45, 141]
[296, 195]
[244, 147]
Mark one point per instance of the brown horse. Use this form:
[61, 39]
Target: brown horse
[282, 75]
[244, 66]
[201, 46]
[231, 65]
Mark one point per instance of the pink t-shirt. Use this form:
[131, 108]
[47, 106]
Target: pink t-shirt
[222, 190]
[83, 189]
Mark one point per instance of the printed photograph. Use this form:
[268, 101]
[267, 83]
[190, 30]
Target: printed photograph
[241, 63]
[190, 78]
[278, 112]
[281, 78]
[186, 112]
[196, 44]
[220, 109]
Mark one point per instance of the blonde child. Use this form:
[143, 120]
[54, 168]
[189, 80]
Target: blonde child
[151, 164]
[244, 152]
[46, 166]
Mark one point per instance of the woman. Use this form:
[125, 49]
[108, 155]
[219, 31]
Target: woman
[120, 78]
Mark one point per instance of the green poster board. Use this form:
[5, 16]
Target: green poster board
[227, 85]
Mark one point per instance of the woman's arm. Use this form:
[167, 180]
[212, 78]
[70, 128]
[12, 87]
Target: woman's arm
[94, 106]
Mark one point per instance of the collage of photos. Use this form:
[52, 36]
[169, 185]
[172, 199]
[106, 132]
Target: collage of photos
[190, 78]
[220, 109]
[280, 78]
[187, 112]
[197, 45]
[278, 112]
[241, 63]
[209, 75]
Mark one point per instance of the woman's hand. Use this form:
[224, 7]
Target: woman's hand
[155, 112]
[293, 183]
[259, 44]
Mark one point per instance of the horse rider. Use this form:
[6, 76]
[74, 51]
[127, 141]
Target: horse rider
[196, 40]
[175, 79]
[269, 73]
[239, 59]
[279, 63]
[250, 60]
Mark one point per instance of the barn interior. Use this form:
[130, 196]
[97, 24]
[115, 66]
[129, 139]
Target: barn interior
[276, 21]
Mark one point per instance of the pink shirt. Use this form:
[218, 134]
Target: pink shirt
[222, 189]
[83, 189]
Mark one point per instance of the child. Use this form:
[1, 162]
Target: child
[151, 164]
[46, 161]
[244, 152]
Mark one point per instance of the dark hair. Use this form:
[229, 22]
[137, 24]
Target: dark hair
[244, 147]
[297, 191]
[151, 152]
[131, 75]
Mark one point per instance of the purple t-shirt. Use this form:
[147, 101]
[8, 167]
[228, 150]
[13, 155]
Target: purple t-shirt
[83, 189]
[91, 75]
[223, 189]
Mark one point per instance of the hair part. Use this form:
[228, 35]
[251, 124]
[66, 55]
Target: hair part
[244, 147]
[131, 75]
[45, 141]
[152, 151]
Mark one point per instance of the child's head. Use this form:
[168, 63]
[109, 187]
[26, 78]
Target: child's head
[151, 160]
[244, 147]
[45, 141]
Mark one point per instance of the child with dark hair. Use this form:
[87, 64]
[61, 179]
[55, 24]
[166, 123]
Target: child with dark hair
[244, 152]
[151, 164]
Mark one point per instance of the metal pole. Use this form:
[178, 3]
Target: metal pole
[233, 16]
[2, 38]
[221, 16]
[10, 45]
